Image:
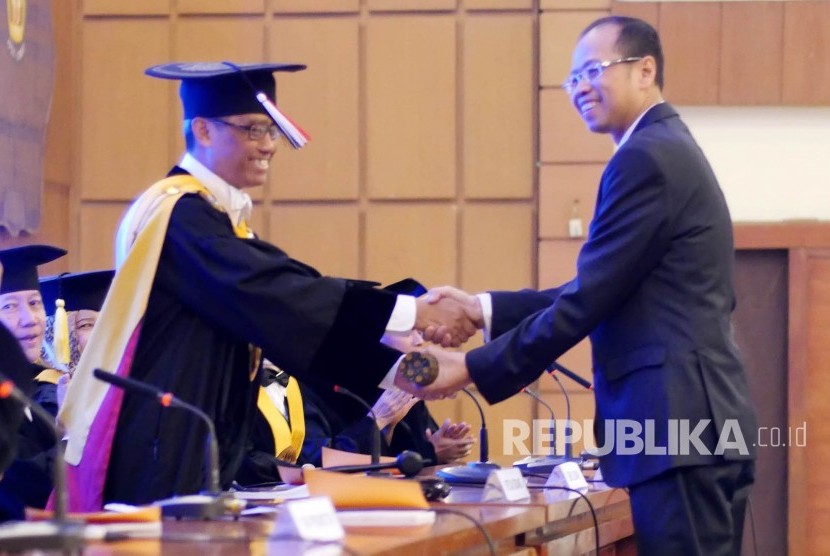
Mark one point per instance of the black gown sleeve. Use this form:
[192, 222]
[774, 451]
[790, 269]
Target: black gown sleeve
[304, 322]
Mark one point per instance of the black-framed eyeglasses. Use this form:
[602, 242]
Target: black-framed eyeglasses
[255, 131]
[592, 72]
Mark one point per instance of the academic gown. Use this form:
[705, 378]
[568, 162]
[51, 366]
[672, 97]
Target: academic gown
[28, 480]
[213, 295]
[17, 369]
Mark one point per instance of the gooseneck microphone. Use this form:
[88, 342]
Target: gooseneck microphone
[408, 462]
[212, 503]
[539, 399]
[167, 399]
[555, 366]
[375, 448]
[57, 533]
[475, 471]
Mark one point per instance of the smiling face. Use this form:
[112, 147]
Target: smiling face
[82, 323]
[23, 314]
[230, 154]
[612, 101]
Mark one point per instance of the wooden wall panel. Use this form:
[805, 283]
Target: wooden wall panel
[557, 265]
[323, 100]
[563, 136]
[411, 240]
[98, 223]
[124, 116]
[692, 71]
[806, 51]
[558, 34]
[312, 6]
[326, 237]
[125, 7]
[498, 107]
[647, 11]
[497, 247]
[816, 410]
[213, 39]
[574, 4]
[498, 4]
[57, 154]
[560, 185]
[411, 107]
[751, 53]
[410, 5]
[220, 6]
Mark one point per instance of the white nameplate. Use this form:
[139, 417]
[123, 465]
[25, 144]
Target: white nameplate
[568, 475]
[309, 519]
[506, 485]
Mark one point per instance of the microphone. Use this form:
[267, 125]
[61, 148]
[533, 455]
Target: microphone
[213, 503]
[57, 533]
[474, 471]
[545, 464]
[408, 462]
[375, 448]
[570, 374]
[539, 399]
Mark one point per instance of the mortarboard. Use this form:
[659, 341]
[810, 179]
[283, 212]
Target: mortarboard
[82, 290]
[20, 266]
[216, 89]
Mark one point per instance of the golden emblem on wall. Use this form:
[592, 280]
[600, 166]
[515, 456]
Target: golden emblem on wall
[16, 17]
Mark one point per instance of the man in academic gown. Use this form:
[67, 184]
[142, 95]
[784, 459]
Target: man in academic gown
[198, 300]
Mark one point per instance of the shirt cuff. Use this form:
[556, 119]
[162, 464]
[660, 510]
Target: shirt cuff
[403, 315]
[486, 301]
[388, 381]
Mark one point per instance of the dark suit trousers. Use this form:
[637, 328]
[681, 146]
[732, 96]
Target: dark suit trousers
[695, 510]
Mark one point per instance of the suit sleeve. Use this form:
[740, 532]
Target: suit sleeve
[257, 293]
[629, 234]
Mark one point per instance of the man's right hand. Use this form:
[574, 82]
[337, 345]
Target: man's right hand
[448, 316]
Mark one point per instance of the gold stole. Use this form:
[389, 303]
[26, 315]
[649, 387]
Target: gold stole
[48, 375]
[288, 440]
[125, 306]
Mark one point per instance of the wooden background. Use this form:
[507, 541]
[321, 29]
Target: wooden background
[442, 147]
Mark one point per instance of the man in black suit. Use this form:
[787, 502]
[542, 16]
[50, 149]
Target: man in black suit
[654, 291]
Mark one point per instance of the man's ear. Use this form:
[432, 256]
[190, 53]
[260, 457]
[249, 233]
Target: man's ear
[648, 71]
[201, 131]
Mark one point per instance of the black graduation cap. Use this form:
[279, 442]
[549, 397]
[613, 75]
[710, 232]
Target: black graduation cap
[217, 89]
[20, 266]
[82, 290]
[407, 286]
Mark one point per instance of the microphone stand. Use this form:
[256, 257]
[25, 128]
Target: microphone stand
[474, 471]
[545, 464]
[59, 533]
[209, 504]
[375, 448]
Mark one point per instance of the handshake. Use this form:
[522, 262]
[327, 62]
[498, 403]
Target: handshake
[447, 317]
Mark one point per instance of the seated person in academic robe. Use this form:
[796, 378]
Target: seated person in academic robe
[29, 478]
[198, 300]
[80, 296]
[337, 421]
[280, 429]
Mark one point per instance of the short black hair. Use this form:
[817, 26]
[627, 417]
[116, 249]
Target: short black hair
[636, 38]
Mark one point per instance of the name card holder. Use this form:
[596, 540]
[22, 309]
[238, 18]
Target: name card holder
[309, 519]
[505, 485]
[568, 475]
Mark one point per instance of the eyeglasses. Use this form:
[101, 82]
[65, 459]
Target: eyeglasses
[255, 131]
[592, 72]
